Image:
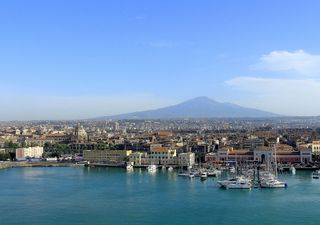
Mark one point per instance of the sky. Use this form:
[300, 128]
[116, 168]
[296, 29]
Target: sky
[76, 59]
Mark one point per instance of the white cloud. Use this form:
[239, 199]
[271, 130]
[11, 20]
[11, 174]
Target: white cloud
[299, 62]
[283, 96]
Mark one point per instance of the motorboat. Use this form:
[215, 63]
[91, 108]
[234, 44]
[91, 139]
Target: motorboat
[129, 167]
[316, 174]
[269, 180]
[232, 169]
[213, 173]
[191, 175]
[236, 183]
[293, 170]
[273, 183]
[203, 175]
[152, 168]
[170, 169]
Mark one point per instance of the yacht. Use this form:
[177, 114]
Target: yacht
[213, 173]
[293, 170]
[273, 183]
[129, 167]
[236, 183]
[269, 180]
[203, 175]
[316, 174]
[152, 168]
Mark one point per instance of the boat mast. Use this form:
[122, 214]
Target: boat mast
[275, 158]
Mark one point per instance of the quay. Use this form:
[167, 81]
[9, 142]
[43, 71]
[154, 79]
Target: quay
[6, 165]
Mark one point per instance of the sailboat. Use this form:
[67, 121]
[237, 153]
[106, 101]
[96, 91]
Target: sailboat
[269, 180]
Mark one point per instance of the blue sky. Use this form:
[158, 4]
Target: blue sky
[81, 59]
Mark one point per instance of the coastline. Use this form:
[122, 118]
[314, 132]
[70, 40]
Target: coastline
[7, 165]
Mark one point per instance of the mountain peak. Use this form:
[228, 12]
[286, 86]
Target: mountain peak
[201, 99]
[199, 107]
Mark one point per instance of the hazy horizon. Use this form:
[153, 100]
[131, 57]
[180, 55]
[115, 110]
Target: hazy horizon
[79, 60]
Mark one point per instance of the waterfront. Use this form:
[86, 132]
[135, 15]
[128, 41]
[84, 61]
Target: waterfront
[71, 195]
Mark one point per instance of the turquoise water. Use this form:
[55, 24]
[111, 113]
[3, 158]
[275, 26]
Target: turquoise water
[32, 196]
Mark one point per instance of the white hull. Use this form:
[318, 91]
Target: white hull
[152, 168]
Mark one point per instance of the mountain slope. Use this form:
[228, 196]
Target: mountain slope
[200, 107]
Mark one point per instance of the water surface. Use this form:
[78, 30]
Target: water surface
[90, 196]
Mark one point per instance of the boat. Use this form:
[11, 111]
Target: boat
[273, 183]
[240, 182]
[316, 174]
[270, 180]
[232, 169]
[152, 168]
[293, 170]
[129, 167]
[163, 168]
[170, 169]
[190, 175]
[213, 173]
[203, 175]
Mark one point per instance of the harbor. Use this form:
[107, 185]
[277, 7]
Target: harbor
[92, 196]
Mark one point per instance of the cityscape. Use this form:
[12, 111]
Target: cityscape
[203, 141]
[136, 112]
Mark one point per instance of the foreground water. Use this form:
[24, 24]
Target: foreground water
[32, 196]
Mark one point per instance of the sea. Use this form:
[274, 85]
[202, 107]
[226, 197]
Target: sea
[99, 196]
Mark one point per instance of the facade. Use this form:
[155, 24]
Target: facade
[186, 159]
[115, 157]
[30, 152]
[57, 137]
[139, 158]
[315, 147]
[163, 156]
[261, 154]
[252, 143]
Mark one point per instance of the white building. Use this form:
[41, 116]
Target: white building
[162, 156]
[315, 147]
[139, 158]
[30, 152]
[186, 159]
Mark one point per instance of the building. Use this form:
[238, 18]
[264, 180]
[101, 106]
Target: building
[139, 158]
[186, 159]
[261, 154]
[115, 157]
[315, 146]
[30, 152]
[252, 142]
[162, 155]
[57, 138]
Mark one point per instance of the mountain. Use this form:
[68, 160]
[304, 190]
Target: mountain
[200, 107]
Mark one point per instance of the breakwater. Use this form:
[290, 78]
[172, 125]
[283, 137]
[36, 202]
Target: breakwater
[5, 165]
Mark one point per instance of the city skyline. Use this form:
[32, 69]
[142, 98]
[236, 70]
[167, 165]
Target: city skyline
[62, 60]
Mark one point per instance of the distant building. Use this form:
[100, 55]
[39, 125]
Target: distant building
[57, 137]
[252, 142]
[115, 157]
[139, 158]
[186, 159]
[261, 154]
[315, 146]
[162, 155]
[80, 135]
[30, 152]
